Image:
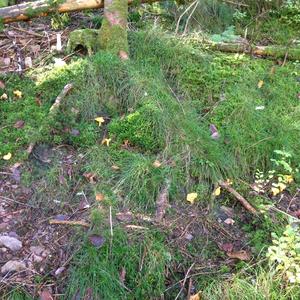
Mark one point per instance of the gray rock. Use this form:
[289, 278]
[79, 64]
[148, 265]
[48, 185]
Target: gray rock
[10, 242]
[13, 266]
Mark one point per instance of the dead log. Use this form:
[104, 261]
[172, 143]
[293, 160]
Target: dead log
[275, 51]
[42, 8]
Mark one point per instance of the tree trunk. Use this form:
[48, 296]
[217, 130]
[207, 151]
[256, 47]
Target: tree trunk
[41, 8]
[113, 32]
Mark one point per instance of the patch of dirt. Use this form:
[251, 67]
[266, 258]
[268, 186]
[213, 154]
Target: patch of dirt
[46, 249]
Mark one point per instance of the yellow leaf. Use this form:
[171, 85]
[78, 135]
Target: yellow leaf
[106, 142]
[217, 191]
[288, 178]
[191, 197]
[99, 120]
[18, 94]
[275, 191]
[260, 84]
[4, 97]
[281, 186]
[156, 164]
[7, 156]
[100, 197]
[195, 297]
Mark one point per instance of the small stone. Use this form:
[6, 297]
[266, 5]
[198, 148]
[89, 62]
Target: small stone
[10, 242]
[13, 266]
[188, 236]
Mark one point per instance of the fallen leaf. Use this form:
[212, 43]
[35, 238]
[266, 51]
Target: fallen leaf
[2, 84]
[19, 124]
[241, 255]
[227, 247]
[46, 295]
[96, 240]
[296, 213]
[38, 101]
[99, 120]
[115, 168]
[106, 142]
[83, 204]
[8, 156]
[156, 164]
[18, 94]
[100, 197]
[191, 197]
[229, 221]
[123, 55]
[217, 191]
[195, 297]
[91, 177]
[122, 275]
[260, 84]
[4, 97]
[214, 132]
[124, 216]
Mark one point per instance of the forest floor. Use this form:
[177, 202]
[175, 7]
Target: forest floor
[118, 195]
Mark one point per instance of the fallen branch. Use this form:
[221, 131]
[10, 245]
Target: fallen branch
[66, 222]
[238, 196]
[274, 51]
[42, 8]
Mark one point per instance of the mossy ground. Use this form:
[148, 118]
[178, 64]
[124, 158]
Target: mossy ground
[157, 106]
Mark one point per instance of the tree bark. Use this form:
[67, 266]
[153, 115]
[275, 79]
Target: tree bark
[41, 8]
[113, 32]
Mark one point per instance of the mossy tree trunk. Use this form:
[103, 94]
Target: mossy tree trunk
[113, 32]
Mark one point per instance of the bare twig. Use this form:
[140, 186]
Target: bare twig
[162, 202]
[184, 280]
[238, 196]
[60, 97]
[67, 222]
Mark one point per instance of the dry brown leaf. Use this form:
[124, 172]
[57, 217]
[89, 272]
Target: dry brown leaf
[19, 124]
[156, 164]
[91, 177]
[100, 197]
[241, 255]
[122, 275]
[46, 295]
[2, 85]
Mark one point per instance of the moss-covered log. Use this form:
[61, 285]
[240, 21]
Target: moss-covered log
[113, 32]
[275, 51]
[40, 8]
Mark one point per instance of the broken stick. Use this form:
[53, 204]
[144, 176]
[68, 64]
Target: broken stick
[238, 196]
[66, 222]
[60, 97]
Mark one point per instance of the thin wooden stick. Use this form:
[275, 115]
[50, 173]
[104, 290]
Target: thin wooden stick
[60, 97]
[66, 222]
[185, 279]
[238, 196]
